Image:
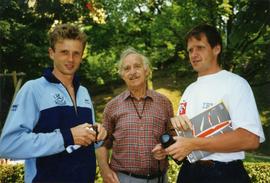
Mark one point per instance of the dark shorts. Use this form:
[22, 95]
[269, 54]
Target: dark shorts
[213, 172]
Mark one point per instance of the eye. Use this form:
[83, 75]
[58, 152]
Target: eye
[137, 66]
[200, 47]
[64, 52]
[190, 50]
[77, 54]
[126, 68]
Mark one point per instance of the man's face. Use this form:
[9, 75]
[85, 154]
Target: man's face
[66, 56]
[202, 57]
[133, 71]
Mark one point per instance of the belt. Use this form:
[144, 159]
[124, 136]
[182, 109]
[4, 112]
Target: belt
[209, 163]
[206, 162]
[148, 177]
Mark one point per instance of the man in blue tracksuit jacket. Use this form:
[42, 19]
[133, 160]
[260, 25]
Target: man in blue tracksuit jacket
[52, 113]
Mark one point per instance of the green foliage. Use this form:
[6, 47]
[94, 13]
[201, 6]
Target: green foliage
[156, 28]
[99, 72]
[23, 33]
[96, 68]
[247, 43]
[11, 173]
[259, 172]
[173, 171]
[22, 42]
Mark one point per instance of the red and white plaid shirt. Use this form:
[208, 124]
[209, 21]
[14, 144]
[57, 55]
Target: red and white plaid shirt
[134, 138]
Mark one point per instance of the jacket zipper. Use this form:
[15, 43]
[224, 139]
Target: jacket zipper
[73, 102]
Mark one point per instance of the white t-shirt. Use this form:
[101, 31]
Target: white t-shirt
[237, 96]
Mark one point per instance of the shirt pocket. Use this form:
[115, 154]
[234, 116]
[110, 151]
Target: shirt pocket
[158, 126]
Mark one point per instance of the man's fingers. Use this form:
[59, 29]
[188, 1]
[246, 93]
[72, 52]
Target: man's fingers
[86, 125]
[156, 148]
[175, 123]
[181, 123]
[110, 177]
[188, 122]
[115, 178]
[102, 133]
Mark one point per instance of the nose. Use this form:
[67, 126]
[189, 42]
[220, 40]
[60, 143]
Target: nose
[70, 57]
[133, 70]
[193, 53]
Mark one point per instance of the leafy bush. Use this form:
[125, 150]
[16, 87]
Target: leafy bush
[11, 173]
[259, 172]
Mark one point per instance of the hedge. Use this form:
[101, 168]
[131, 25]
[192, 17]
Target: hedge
[259, 172]
[11, 173]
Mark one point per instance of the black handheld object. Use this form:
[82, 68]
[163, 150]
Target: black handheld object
[166, 140]
[95, 128]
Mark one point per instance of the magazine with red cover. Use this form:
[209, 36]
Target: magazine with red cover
[215, 120]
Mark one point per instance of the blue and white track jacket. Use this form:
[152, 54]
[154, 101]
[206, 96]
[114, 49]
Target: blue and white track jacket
[38, 130]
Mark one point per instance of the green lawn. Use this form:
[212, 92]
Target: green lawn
[252, 157]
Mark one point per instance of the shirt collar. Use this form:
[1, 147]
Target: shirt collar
[127, 94]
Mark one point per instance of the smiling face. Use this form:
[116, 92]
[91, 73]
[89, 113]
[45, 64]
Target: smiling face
[66, 56]
[202, 56]
[133, 72]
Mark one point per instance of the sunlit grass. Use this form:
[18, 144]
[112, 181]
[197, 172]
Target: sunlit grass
[173, 95]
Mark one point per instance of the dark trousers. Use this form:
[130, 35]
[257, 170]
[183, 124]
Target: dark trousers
[213, 172]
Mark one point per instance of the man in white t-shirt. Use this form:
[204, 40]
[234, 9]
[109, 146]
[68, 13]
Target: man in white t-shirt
[214, 85]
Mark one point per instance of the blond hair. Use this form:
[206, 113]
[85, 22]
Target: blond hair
[66, 31]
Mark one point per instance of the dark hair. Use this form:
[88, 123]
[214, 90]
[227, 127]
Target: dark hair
[66, 31]
[210, 32]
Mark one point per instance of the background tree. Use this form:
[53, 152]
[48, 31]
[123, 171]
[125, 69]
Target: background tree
[156, 27]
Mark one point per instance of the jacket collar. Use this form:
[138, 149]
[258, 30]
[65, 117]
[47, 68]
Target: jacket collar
[48, 75]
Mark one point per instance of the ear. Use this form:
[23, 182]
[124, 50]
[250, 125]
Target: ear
[51, 53]
[147, 73]
[121, 75]
[217, 49]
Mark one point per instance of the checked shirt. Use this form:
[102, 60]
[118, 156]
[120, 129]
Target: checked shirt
[132, 138]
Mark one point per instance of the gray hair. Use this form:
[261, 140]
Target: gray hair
[130, 50]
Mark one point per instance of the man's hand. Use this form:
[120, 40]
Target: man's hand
[102, 133]
[158, 152]
[109, 176]
[83, 134]
[181, 123]
[181, 148]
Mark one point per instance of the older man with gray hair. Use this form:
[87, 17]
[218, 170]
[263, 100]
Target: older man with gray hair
[135, 119]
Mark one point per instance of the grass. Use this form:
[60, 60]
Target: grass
[251, 157]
